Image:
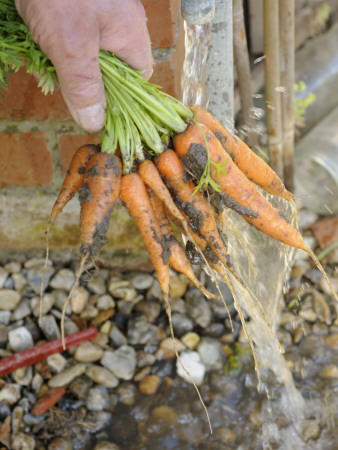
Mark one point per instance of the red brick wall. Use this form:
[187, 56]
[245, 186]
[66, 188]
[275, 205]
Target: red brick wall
[37, 135]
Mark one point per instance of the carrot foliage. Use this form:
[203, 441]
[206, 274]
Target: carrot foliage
[139, 117]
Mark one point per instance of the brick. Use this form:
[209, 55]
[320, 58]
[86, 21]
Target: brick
[24, 100]
[25, 160]
[164, 76]
[159, 13]
[69, 143]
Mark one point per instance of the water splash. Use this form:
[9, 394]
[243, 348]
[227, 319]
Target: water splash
[197, 41]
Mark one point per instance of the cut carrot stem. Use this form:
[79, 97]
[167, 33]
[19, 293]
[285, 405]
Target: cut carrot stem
[254, 167]
[40, 352]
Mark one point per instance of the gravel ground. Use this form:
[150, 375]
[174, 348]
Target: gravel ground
[125, 390]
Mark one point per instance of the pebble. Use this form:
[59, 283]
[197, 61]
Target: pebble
[63, 279]
[193, 364]
[37, 382]
[79, 299]
[181, 324]
[311, 346]
[11, 393]
[154, 292]
[5, 317]
[103, 316]
[308, 314]
[60, 444]
[90, 312]
[168, 344]
[21, 311]
[36, 262]
[20, 282]
[321, 308]
[88, 352]
[67, 376]
[20, 339]
[22, 441]
[210, 351]
[34, 278]
[48, 301]
[326, 288]
[17, 416]
[23, 376]
[5, 410]
[331, 341]
[190, 340]
[3, 336]
[310, 430]
[151, 310]
[96, 286]
[126, 393]
[177, 285]
[5, 432]
[13, 267]
[122, 362]
[3, 277]
[56, 363]
[142, 281]
[149, 384]
[9, 299]
[309, 242]
[106, 445]
[306, 218]
[226, 435]
[50, 328]
[101, 375]
[98, 399]
[116, 337]
[140, 331]
[100, 420]
[145, 359]
[60, 299]
[198, 308]
[105, 301]
[123, 290]
[31, 420]
[80, 387]
[329, 371]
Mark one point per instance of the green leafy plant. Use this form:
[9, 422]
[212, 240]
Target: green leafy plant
[301, 104]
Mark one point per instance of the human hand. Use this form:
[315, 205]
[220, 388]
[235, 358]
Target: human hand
[71, 34]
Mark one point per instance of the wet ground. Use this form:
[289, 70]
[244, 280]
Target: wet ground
[125, 390]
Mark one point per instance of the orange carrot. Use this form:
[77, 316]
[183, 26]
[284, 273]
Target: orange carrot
[178, 258]
[98, 196]
[135, 198]
[74, 178]
[193, 205]
[152, 178]
[234, 183]
[246, 160]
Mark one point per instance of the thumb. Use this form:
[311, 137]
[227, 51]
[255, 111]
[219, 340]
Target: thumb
[83, 91]
[77, 66]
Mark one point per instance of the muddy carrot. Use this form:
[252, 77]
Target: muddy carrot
[191, 144]
[193, 205]
[40, 352]
[135, 198]
[74, 178]
[98, 196]
[178, 258]
[254, 167]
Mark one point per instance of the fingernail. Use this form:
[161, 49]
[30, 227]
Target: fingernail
[91, 118]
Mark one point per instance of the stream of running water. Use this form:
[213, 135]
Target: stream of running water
[263, 263]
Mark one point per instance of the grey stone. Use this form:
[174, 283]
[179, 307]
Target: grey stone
[9, 299]
[63, 279]
[48, 301]
[56, 363]
[34, 278]
[117, 337]
[67, 376]
[98, 399]
[23, 376]
[20, 282]
[20, 339]
[13, 267]
[140, 331]
[11, 393]
[181, 324]
[198, 308]
[3, 277]
[79, 299]
[50, 328]
[21, 311]
[105, 302]
[97, 286]
[142, 281]
[210, 351]
[5, 317]
[60, 299]
[88, 352]
[122, 362]
[101, 375]
[193, 364]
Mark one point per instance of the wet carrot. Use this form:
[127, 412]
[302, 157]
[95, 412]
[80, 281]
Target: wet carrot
[254, 167]
[152, 178]
[234, 183]
[98, 196]
[178, 258]
[74, 178]
[135, 198]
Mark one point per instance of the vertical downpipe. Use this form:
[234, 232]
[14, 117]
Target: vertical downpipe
[220, 82]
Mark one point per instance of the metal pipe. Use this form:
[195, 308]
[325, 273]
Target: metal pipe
[197, 12]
